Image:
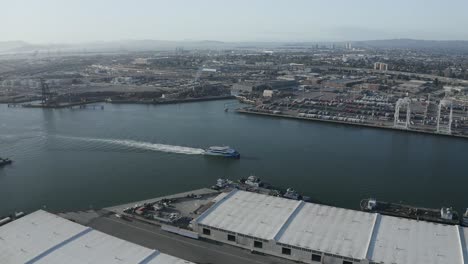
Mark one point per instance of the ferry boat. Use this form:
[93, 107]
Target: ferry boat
[442, 216]
[225, 152]
[4, 162]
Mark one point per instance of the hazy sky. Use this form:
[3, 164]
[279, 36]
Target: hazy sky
[68, 21]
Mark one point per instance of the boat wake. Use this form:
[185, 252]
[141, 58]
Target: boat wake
[143, 145]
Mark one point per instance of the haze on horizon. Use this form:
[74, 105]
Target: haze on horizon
[59, 21]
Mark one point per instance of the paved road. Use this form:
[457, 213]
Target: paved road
[205, 191]
[202, 252]
[421, 75]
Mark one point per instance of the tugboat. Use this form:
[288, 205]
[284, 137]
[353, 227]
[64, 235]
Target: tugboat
[254, 181]
[221, 184]
[442, 216]
[4, 162]
[225, 152]
[292, 194]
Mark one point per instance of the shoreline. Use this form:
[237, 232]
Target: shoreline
[159, 102]
[247, 112]
[67, 105]
[176, 101]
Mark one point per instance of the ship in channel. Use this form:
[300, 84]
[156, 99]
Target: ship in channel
[225, 152]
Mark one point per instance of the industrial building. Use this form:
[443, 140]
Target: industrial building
[42, 237]
[379, 66]
[313, 233]
[342, 83]
[260, 86]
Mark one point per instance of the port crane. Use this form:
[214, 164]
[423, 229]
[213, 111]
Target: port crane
[46, 94]
[402, 103]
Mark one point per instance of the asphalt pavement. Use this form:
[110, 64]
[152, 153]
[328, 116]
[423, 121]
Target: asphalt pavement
[198, 251]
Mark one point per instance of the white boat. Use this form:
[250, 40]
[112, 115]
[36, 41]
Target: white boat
[225, 152]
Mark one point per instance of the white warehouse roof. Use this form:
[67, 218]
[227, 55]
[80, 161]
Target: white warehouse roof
[29, 236]
[404, 241]
[42, 237]
[337, 231]
[97, 247]
[464, 243]
[249, 213]
[330, 229]
[166, 259]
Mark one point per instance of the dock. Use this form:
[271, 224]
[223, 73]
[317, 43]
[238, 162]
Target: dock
[172, 101]
[120, 208]
[64, 105]
[200, 211]
[175, 210]
[337, 122]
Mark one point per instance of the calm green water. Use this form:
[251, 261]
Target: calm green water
[77, 159]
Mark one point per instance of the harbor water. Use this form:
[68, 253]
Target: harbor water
[76, 159]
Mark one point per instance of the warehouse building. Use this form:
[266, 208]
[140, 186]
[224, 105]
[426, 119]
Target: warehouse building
[260, 86]
[313, 233]
[42, 237]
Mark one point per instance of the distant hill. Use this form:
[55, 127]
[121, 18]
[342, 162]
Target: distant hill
[414, 44]
[151, 45]
[21, 46]
[9, 45]
[141, 45]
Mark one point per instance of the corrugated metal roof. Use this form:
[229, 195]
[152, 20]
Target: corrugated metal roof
[404, 241]
[27, 237]
[347, 233]
[329, 229]
[250, 214]
[42, 237]
[166, 259]
[97, 247]
[464, 243]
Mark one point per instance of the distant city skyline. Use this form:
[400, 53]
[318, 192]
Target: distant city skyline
[55, 21]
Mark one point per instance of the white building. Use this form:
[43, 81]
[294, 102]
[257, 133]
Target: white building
[454, 88]
[243, 87]
[45, 238]
[268, 93]
[209, 70]
[379, 66]
[313, 233]
[140, 61]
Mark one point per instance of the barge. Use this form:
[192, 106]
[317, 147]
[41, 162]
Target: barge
[445, 215]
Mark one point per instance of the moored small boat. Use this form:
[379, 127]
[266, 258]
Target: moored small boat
[465, 218]
[4, 162]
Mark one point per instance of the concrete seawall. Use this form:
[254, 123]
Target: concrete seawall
[175, 101]
[243, 111]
